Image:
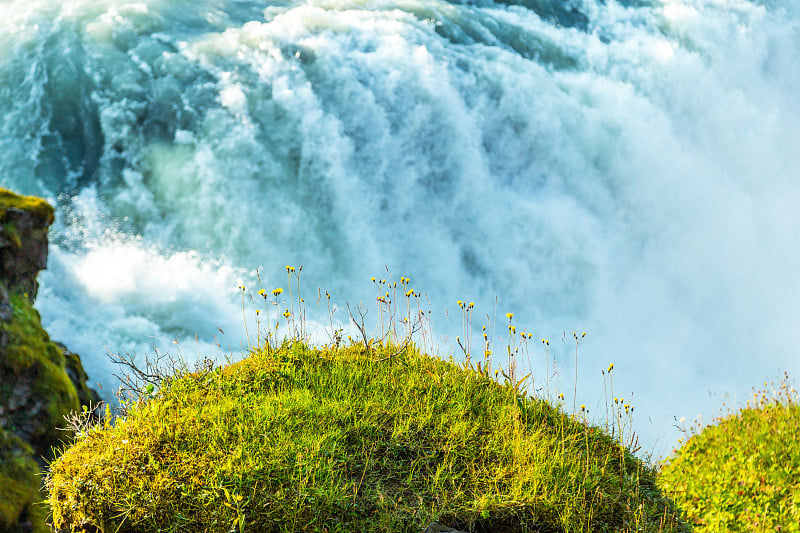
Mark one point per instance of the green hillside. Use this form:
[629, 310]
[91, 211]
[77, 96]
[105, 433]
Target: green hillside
[350, 439]
[742, 473]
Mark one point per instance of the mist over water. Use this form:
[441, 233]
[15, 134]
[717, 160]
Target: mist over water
[628, 169]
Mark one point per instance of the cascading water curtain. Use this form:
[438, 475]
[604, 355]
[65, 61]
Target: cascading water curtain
[627, 168]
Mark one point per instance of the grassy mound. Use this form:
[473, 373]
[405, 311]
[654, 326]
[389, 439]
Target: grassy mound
[743, 472]
[304, 439]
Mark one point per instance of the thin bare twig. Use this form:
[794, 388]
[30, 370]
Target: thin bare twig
[413, 330]
[361, 327]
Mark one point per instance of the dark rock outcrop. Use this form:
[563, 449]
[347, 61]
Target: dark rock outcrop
[436, 527]
[24, 222]
[5, 307]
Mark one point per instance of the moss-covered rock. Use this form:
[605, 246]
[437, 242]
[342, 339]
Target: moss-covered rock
[40, 381]
[35, 388]
[21, 507]
[33, 205]
[80, 379]
[24, 222]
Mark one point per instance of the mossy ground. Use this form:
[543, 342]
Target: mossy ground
[743, 472]
[304, 439]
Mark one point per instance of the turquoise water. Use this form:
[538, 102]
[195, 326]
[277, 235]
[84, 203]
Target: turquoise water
[629, 169]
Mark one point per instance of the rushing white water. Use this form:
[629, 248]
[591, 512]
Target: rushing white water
[627, 168]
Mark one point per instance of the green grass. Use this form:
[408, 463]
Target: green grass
[304, 439]
[743, 472]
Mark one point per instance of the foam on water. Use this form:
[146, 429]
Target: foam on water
[625, 168]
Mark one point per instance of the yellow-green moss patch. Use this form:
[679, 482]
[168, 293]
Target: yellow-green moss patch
[40, 208]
